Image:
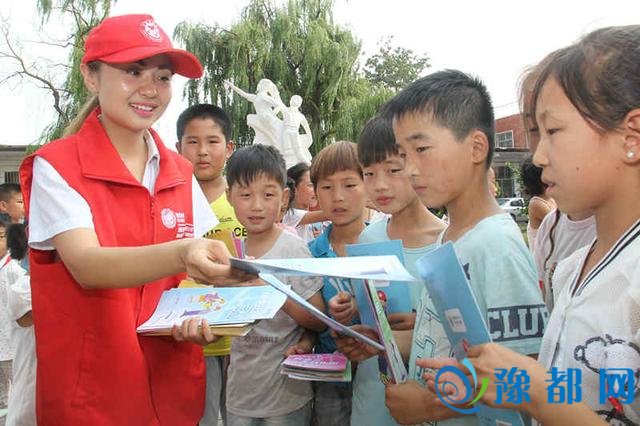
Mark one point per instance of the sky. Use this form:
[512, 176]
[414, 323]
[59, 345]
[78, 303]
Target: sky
[492, 39]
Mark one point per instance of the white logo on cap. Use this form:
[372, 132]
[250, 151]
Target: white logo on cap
[168, 218]
[150, 30]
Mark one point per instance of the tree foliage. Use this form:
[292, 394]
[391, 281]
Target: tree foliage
[298, 47]
[394, 68]
[84, 15]
[66, 88]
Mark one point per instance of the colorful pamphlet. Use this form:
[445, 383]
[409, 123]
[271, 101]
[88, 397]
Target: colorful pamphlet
[318, 367]
[227, 310]
[330, 322]
[463, 323]
[397, 293]
[385, 268]
[372, 314]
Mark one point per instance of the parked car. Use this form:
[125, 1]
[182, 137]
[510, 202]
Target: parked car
[515, 207]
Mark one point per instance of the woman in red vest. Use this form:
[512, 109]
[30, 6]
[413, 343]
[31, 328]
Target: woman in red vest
[112, 214]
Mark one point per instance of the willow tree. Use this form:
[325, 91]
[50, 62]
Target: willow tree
[81, 16]
[298, 47]
[67, 89]
[356, 110]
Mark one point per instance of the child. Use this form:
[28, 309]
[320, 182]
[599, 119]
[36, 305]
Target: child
[299, 215]
[390, 188]
[11, 203]
[559, 234]
[204, 138]
[22, 407]
[587, 105]
[444, 128]
[540, 204]
[337, 180]
[286, 206]
[257, 394]
[111, 216]
[7, 266]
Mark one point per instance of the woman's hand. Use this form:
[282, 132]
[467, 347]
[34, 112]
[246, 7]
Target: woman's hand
[486, 359]
[207, 261]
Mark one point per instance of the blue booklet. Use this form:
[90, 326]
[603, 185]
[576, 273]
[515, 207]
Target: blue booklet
[220, 306]
[396, 292]
[462, 320]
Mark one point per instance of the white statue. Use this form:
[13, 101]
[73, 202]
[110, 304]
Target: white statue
[267, 103]
[277, 124]
[295, 146]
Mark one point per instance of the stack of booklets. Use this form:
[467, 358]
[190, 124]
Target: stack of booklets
[229, 311]
[233, 310]
[318, 367]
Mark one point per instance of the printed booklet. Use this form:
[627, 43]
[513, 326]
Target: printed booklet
[372, 314]
[463, 323]
[373, 311]
[318, 367]
[228, 310]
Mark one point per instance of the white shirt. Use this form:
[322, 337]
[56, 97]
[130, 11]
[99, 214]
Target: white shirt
[56, 207]
[568, 236]
[22, 400]
[598, 326]
[293, 217]
[9, 273]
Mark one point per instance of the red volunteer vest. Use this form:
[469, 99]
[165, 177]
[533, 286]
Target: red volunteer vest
[93, 369]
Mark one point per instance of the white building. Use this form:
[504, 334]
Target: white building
[10, 158]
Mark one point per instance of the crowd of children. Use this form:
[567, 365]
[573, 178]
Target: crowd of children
[97, 265]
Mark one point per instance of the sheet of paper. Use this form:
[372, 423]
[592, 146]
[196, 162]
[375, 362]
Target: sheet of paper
[397, 292]
[385, 268]
[330, 322]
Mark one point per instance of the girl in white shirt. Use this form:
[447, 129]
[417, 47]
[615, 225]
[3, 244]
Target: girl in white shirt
[308, 224]
[587, 105]
[559, 236]
[540, 203]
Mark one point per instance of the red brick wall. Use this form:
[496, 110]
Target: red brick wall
[513, 123]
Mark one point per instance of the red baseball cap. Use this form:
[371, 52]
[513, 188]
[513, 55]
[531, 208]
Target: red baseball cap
[130, 38]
